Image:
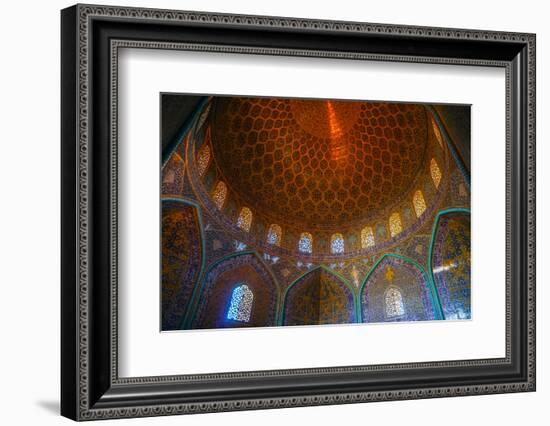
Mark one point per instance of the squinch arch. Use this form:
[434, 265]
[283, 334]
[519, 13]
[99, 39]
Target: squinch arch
[214, 298]
[405, 276]
[320, 296]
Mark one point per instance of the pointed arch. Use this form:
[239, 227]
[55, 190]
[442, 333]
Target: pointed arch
[203, 157]
[219, 195]
[419, 203]
[211, 301]
[274, 234]
[337, 244]
[305, 244]
[244, 221]
[367, 237]
[182, 234]
[449, 262]
[319, 296]
[393, 302]
[240, 306]
[425, 290]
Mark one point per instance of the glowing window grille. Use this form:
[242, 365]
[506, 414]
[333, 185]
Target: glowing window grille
[394, 303]
[435, 172]
[367, 237]
[395, 224]
[240, 307]
[219, 194]
[305, 245]
[274, 235]
[437, 133]
[203, 158]
[337, 244]
[245, 219]
[419, 203]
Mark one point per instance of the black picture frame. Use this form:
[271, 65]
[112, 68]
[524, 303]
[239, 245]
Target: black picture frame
[90, 38]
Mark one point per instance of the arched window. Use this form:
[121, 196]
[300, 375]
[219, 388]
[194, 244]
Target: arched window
[203, 158]
[305, 245]
[394, 303]
[274, 235]
[367, 237]
[245, 219]
[219, 194]
[435, 172]
[395, 224]
[337, 244]
[419, 203]
[437, 133]
[241, 304]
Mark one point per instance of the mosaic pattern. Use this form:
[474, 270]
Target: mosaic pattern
[394, 303]
[397, 290]
[419, 203]
[305, 245]
[218, 289]
[337, 244]
[241, 304]
[203, 158]
[244, 221]
[172, 176]
[274, 235]
[319, 297]
[395, 224]
[451, 262]
[435, 171]
[308, 161]
[181, 260]
[367, 237]
[219, 195]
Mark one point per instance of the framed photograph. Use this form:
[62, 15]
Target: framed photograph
[263, 212]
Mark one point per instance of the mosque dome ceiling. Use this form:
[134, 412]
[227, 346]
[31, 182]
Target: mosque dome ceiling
[318, 164]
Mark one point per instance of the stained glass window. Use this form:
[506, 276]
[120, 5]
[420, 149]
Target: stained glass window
[437, 133]
[367, 237]
[395, 224]
[394, 303]
[274, 235]
[337, 244]
[245, 219]
[305, 245]
[219, 194]
[240, 307]
[203, 158]
[419, 203]
[435, 172]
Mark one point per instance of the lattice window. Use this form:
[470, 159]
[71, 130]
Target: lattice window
[367, 237]
[274, 235]
[219, 194]
[419, 203]
[337, 244]
[437, 133]
[305, 245]
[435, 172]
[395, 224]
[240, 307]
[245, 219]
[394, 303]
[203, 158]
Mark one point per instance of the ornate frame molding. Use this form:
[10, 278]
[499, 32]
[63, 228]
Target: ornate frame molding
[91, 388]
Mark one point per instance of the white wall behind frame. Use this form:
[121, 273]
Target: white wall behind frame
[29, 306]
